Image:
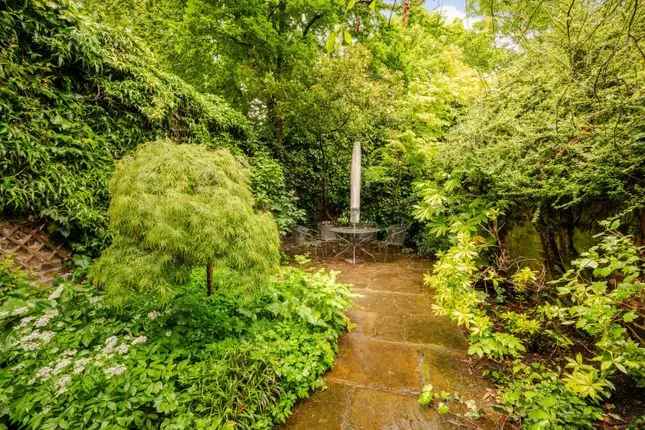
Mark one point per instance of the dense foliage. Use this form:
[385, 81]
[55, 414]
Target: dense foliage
[233, 361]
[75, 95]
[558, 148]
[562, 146]
[313, 77]
[271, 192]
[467, 140]
[175, 207]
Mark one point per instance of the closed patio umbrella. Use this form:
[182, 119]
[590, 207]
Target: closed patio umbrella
[355, 231]
[355, 186]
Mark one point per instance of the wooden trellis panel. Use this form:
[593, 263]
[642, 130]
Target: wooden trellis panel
[31, 248]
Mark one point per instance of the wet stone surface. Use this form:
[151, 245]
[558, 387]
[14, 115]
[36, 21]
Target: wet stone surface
[396, 346]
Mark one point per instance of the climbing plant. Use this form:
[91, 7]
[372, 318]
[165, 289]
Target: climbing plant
[74, 96]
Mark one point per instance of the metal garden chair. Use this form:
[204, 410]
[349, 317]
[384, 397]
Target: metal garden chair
[395, 237]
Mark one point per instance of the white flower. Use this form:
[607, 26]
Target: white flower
[110, 344]
[122, 349]
[25, 322]
[79, 365]
[56, 293]
[139, 340]
[33, 336]
[61, 365]
[44, 373]
[153, 315]
[34, 339]
[116, 370]
[42, 321]
[70, 352]
[21, 310]
[47, 316]
[62, 383]
[46, 336]
[29, 346]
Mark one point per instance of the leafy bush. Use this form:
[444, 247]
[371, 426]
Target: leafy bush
[175, 207]
[233, 361]
[271, 193]
[560, 147]
[540, 400]
[600, 297]
[76, 95]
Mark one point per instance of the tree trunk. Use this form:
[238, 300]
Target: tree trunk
[566, 250]
[552, 260]
[324, 206]
[642, 225]
[406, 12]
[280, 23]
[503, 255]
[277, 125]
[209, 279]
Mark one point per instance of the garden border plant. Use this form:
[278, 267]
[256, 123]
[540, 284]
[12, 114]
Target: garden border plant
[236, 360]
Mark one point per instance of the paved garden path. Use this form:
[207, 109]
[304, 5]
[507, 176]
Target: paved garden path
[396, 347]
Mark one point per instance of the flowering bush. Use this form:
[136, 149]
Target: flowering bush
[69, 360]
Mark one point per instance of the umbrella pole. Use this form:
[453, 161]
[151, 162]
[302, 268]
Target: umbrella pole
[354, 253]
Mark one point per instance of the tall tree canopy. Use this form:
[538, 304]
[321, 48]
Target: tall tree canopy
[315, 76]
[559, 136]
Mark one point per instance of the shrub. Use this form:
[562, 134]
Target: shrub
[539, 399]
[597, 305]
[232, 361]
[175, 207]
[271, 193]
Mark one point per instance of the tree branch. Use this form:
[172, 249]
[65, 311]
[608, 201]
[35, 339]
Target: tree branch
[311, 23]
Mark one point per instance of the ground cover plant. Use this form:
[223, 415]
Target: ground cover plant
[236, 360]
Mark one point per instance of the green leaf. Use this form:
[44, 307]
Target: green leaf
[347, 37]
[330, 45]
[630, 317]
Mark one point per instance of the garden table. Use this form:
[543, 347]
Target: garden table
[357, 237]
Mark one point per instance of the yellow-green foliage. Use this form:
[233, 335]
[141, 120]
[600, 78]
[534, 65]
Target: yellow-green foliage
[176, 206]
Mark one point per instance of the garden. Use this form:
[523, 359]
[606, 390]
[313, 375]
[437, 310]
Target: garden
[201, 166]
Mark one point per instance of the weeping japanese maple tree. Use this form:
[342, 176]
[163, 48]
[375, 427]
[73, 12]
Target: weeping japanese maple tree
[175, 207]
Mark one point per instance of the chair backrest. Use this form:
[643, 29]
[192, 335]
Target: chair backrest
[303, 234]
[325, 232]
[396, 235]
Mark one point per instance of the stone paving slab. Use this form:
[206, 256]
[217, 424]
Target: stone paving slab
[378, 364]
[402, 275]
[324, 410]
[386, 303]
[346, 407]
[396, 346]
[391, 412]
